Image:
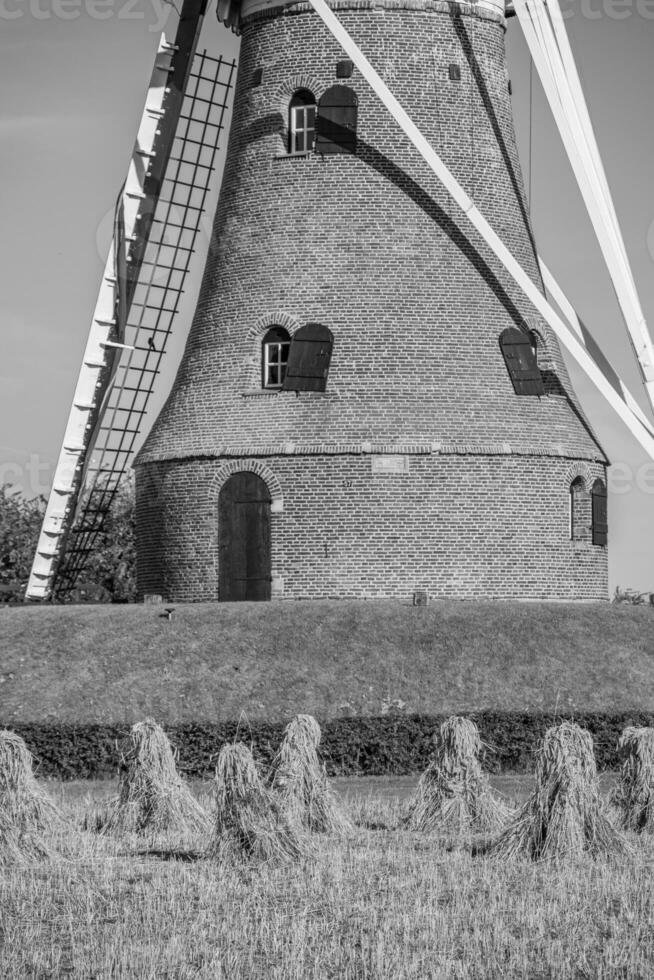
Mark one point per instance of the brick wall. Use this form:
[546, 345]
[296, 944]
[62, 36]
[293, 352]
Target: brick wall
[371, 246]
[495, 526]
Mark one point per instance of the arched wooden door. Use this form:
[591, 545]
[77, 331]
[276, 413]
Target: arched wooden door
[244, 539]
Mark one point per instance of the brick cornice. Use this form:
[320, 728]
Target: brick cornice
[419, 6]
[381, 449]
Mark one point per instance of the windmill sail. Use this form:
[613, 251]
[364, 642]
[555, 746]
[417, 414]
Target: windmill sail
[156, 224]
[548, 43]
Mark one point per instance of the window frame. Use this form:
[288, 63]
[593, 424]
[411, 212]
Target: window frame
[301, 102]
[275, 339]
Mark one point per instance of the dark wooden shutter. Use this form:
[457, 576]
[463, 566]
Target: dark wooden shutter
[308, 359]
[521, 363]
[600, 514]
[336, 123]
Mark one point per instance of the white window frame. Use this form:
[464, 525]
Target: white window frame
[279, 361]
[299, 125]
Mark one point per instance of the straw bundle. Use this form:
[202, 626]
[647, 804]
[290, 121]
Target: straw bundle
[250, 821]
[564, 814]
[27, 814]
[152, 796]
[300, 781]
[453, 794]
[634, 796]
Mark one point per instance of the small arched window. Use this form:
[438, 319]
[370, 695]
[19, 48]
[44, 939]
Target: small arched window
[336, 124]
[274, 357]
[600, 516]
[578, 519]
[302, 122]
[519, 354]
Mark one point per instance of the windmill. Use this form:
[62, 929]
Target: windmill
[372, 400]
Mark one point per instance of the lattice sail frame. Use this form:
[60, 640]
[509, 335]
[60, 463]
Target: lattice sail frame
[154, 242]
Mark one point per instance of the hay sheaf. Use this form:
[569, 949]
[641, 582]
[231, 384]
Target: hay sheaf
[634, 796]
[28, 817]
[564, 815]
[250, 820]
[152, 797]
[453, 794]
[300, 781]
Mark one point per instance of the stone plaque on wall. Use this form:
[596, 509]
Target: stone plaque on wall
[390, 464]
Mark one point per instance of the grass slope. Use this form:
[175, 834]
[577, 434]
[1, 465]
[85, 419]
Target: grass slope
[115, 664]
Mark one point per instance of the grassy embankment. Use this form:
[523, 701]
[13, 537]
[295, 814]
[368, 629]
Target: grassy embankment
[117, 664]
[384, 905]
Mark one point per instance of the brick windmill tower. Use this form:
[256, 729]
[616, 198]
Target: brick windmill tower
[372, 401]
[367, 405]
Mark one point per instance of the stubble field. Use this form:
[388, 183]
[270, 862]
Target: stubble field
[385, 904]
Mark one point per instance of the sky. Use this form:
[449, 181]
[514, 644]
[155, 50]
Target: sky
[73, 78]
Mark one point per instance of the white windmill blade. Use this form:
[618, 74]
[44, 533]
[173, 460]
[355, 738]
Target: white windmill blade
[588, 340]
[567, 336]
[551, 34]
[546, 56]
[574, 81]
[573, 121]
[105, 345]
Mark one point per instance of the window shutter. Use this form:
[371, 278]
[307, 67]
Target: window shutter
[521, 363]
[308, 359]
[600, 516]
[336, 124]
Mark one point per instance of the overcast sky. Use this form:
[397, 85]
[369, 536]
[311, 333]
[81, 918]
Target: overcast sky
[73, 76]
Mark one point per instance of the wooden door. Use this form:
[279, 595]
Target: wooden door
[244, 539]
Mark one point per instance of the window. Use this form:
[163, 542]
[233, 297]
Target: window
[336, 125]
[600, 520]
[308, 359]
[519, 354]
[275, 347]
[302, 122]
[578, 502]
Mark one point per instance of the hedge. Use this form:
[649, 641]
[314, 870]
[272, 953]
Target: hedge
[384, 745]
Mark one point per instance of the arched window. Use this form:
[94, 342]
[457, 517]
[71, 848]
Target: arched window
[600, 518]
[309, 357]
[520, 358]
[274, 357]
[578, 501]
[302, 122]
[336, 124]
